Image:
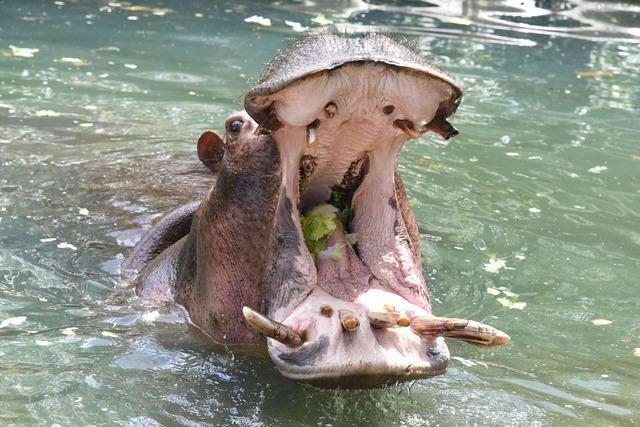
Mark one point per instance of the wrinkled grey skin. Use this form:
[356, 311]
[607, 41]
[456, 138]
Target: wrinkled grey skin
[244, 247]
[227, 242]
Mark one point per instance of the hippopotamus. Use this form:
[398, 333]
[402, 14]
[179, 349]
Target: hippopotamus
[306, 244]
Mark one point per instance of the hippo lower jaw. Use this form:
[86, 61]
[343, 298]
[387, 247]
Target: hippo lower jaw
[346, 323]
[365, 356]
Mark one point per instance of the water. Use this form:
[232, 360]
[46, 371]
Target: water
[544, 176]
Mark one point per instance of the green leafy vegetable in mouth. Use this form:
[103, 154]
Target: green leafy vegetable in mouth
[317, 226]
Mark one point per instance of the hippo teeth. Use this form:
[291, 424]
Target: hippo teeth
[387, 319]
[349, 320]
[473, 332]
[270, 328]
[407, 127]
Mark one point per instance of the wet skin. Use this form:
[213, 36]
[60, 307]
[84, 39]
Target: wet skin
[319, 142]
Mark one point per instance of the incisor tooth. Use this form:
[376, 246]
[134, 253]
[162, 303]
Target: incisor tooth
[473, 332]
[270, 328]
[349, 320]
[311, 136]
[387, 319]
[312, 132]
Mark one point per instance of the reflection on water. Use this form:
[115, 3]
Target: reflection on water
[100, 107]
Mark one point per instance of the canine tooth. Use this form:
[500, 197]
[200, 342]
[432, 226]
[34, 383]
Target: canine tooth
[442, 127]
[330, 109]
[270, 328]
[473, 332]
[407, 127]
[349, 320]
[389, 307]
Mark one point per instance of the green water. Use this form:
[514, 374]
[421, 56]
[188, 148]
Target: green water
[545, 176]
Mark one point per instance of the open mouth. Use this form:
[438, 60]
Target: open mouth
[357, 312]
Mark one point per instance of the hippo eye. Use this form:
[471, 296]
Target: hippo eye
[235, 126]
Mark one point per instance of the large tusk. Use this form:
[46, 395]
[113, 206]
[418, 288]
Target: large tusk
[407, 127]
[387, 319]
[442, 127]
[475, 333]
[270, 328]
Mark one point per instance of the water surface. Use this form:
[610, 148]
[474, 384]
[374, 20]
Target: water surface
[98, 139]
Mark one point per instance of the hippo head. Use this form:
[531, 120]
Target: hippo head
[344, 299]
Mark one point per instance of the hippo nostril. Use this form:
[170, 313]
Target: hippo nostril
[433, 352]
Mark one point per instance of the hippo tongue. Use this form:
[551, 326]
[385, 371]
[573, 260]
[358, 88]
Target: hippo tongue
[340, 272]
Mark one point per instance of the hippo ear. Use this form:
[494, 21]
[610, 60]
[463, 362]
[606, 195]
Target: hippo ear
[211, 150]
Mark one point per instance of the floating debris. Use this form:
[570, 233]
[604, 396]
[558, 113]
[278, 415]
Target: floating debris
[509, 298]
[598, 169]
[456, 20]
[23, 52]
[511, 304]
[73, 61]
[198, 15]
[131, 66]
[46, 113]
[13, 321]
[150, 317]
[594, 74]
[534, 210]
[48, 240]
[158, 11]
[107, 49]
[109, 334]
[65, 245]
[636, 352]
[83, 211]
[69, 332]
[601, 322]
[322, 20]
[494, 265]
[296, 26]
[43, 343]
[255, 19]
